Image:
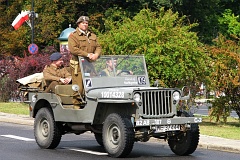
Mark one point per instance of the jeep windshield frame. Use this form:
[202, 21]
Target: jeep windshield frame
[131, 71]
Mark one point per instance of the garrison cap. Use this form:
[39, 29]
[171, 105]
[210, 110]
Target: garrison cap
[82, 19]
[55, 56]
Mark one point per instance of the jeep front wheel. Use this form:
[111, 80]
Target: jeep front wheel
[118, 135]
[185, 143]
[46, 130]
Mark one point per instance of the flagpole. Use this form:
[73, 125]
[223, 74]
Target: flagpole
[32, 20]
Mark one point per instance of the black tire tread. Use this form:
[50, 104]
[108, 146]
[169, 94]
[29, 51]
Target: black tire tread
[53, 140]
[190, 143]
[128, 135]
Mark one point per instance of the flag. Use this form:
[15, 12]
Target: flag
[20, 19]
[25, 15]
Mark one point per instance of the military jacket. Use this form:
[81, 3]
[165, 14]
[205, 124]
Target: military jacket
[107, 72]
[81, 44]
[52, 73]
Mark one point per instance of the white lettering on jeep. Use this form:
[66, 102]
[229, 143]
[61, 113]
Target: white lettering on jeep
[142, 123]
[109, 94]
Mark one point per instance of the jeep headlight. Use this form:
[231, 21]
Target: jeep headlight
[137, 97]
[176, 96]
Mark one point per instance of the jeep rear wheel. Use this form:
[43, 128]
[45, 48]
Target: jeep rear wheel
[185, 143]
[118, 135]
[98, 137]
[46, 130]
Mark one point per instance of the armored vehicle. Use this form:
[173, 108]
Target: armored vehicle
[119, 106]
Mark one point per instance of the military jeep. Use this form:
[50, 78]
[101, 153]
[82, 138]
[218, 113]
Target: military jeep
[119, 109]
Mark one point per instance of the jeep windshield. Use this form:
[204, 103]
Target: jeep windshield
[114, 71]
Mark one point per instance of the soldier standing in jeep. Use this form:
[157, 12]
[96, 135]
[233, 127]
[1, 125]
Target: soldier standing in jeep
[83, 43]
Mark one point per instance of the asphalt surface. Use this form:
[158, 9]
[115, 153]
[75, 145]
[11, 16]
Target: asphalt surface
[206, 142]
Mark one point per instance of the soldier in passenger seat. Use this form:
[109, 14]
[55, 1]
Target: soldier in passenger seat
[55, 73]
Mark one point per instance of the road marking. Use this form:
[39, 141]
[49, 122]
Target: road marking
[87, 151]
[17, 137]
[73, 149]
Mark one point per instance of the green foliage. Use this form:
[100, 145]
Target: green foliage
[172, 52]
[204, 12]
[11, 42]
[230, 24]
[220, 109]
[56, 15]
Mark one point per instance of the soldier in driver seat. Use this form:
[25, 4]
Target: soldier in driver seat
[109, 70]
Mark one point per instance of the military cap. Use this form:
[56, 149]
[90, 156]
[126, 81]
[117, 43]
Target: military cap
[82, 18]
[55, 56]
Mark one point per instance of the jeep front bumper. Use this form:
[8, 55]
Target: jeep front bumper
[167, 121]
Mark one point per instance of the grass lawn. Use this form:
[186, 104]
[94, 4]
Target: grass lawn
[230, 130]
[14, 108]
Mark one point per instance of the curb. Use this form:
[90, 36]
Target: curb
[218, 143]
[17, 119]
[218, 148]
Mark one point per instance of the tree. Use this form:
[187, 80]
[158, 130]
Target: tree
[230, 25]
[12, 42]
[173, 53]
[225, 76]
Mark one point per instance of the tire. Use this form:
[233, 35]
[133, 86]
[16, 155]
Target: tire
[185, 143]
[99, 139]
[118, 135]
[46, 131]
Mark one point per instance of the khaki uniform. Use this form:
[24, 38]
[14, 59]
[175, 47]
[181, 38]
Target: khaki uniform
[52, 76]
[106, 72]
[81, 44]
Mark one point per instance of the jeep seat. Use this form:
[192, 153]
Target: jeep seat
[65, 92]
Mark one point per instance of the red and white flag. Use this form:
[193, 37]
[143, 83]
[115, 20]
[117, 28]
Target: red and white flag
[20, 19]
[25, 15]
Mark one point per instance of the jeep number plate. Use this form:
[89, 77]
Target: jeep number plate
[174, 127]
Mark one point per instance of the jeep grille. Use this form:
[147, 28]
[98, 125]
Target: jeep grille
[157, 103]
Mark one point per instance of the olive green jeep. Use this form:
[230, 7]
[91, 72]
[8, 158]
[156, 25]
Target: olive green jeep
[118, 108]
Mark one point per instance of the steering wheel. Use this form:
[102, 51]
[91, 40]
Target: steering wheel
[124, 71]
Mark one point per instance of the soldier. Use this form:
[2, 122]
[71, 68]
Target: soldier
[109, 70]
[82, 43]
[55, 73]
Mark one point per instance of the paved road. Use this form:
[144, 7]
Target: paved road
[207, 142]
[17, 143]
[202, 109]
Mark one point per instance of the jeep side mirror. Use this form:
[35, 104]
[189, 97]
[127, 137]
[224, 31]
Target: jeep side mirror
[156, 83]
[75, 88]
[185, 93]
